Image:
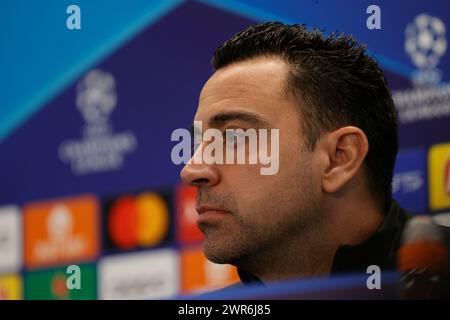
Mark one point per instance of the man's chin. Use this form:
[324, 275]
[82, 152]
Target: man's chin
[217, 253]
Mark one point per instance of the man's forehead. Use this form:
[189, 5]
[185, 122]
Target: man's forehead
[254, 84]
[249, 74]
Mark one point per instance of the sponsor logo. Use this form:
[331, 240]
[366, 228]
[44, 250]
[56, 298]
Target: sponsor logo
[10, 239]
[145, 275]
[51, 284]
[200, 275]
[447, 178]
[425, 43]
[10, 287]
[439, 177]
[187, 229]
[409, 181]
[137, 221]
[61, 231]
[100, 149]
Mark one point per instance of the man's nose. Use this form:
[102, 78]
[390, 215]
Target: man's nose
[200, 175]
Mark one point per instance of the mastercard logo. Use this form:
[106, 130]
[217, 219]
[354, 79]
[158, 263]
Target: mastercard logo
[141, 220]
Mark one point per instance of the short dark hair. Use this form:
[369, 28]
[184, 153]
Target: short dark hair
[338, 83]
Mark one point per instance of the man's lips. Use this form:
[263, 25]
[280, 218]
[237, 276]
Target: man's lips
[209, 212]
[204, 209]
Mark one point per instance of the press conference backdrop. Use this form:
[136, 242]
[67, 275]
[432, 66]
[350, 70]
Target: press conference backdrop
[86, 118]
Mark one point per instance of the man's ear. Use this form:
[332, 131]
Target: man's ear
[346, 149]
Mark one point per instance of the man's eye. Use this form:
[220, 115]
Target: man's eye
[232, 137]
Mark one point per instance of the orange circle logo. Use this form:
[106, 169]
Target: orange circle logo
[141, 220]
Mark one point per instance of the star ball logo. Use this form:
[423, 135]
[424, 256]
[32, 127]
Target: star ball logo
[428, 99]
[100, 149]
[96, 96]
[425, 43]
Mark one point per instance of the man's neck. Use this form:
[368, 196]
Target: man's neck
[311, 251]
[294, 258]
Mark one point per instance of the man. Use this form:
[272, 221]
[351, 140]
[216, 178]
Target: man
[328, 209]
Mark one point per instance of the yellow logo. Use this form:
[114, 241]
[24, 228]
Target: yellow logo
[10, 287]
[439, 176]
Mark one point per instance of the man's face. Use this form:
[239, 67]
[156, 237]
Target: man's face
[241, 212]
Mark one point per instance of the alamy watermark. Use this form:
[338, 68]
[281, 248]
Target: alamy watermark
[214, 146]
[374, 280]
[73, 21]
[74, 277]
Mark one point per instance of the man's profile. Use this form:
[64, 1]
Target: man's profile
[329, 208]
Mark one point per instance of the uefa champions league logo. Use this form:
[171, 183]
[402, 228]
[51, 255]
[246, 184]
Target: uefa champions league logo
[426, 43]
[101, 148]
[429, 98]
[96, 96]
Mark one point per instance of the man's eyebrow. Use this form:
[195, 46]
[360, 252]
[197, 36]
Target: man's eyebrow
[220, 119]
